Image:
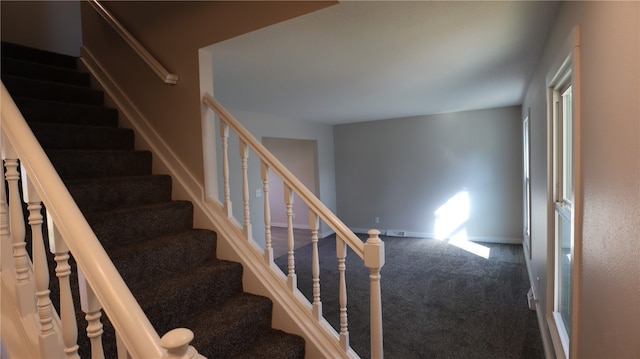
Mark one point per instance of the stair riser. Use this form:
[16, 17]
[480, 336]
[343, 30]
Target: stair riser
[229, 339]
[19, 87]
[45, 73]
[125, 227]
[204, 291]
[110, 194]
[64, 137]
[41, 111]
[38, 56]
[100, 164]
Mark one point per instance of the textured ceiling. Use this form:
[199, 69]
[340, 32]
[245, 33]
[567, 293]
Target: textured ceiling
[371, 60]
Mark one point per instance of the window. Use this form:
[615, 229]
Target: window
[563, 203]
[526, 185]
[564, 196]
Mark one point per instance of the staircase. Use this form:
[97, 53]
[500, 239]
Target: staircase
[169, 266]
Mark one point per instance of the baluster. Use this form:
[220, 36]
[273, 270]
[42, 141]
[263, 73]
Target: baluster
[341, 251]
[244, 155]
[224, 135]
[6, 259]
[374, 260]
[314, 224]
[176, 342]
[91, 307]
[122, 352]
[24, 286]
[291, 277]
[48, 337]
[63, 271]
[268, 250]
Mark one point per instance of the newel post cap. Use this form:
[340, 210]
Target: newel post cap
[374, 250]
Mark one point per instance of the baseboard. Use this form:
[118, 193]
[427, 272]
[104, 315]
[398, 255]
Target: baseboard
[547, 343]
[409, 234]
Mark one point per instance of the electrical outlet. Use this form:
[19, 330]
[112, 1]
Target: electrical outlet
[377, 220]
[258, 193]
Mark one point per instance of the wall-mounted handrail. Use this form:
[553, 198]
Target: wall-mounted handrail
[166, 76]
[140, 338]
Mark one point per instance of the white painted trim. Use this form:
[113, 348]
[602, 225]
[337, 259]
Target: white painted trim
[547, 344]
[501, 240]
[289, 312]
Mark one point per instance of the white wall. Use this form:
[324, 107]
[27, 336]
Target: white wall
[47, 25]
[403, 170]
[609, 310]
[301, 158]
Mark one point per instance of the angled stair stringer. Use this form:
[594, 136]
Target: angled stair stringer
[289, 312]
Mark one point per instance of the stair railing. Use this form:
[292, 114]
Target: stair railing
[101, 286]
[166, 76]
[372, 251]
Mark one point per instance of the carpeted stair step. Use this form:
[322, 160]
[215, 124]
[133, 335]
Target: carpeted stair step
[232, 328]
[45, 90]
[105, 194]
[163, 255]
[32, 70]
[26, 53]
[130, 225]
[63, 137]
[74, 164]
[175, 301]
[44, 111]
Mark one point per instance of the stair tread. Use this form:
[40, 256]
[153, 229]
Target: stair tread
[75, 136]
[50, 90]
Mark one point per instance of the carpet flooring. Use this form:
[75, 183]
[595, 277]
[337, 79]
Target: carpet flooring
[439, 301]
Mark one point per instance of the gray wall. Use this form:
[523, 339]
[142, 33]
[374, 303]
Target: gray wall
[403, 170]
[608, 291]
[48, 25]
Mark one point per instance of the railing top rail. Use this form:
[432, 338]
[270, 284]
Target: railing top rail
[166, 76]
[300, 189]
[127, 317]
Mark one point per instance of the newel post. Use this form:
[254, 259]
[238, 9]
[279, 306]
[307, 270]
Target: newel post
[374, 260]
[176, 342]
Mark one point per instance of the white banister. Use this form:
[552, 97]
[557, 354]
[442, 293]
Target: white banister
[151, 61]
[93, 312]
[372, 253]
[24, 287]
[244, 156]
[374, 260]
[48, 338]
[341, 253]
[67, 309]
[314, 225]
[224, 136]
[289, 179]
[268, 249]
[292, 279]
[108, 289]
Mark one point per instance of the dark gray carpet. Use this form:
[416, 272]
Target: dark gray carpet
[439, 301]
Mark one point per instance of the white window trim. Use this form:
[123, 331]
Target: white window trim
[568, 62]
